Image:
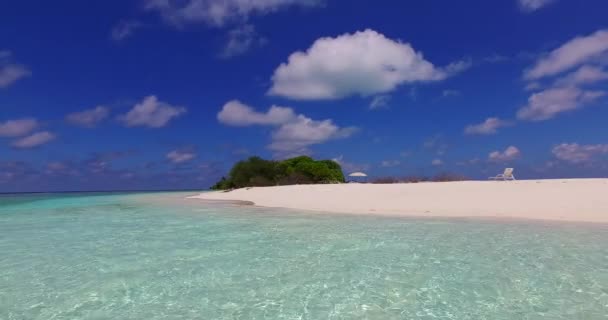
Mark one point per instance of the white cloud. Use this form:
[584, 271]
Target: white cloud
[125, 29]
[489, 126]
[9, 74]
[235, 113]
[547, 104]
[533, 5]
[151, 113]
[364, 63]
[88, 118]
[34, 140]
[295, 137]
[294, 133]
[573, 53]
[380, 101]
[390, 163]
[437, 162]
[240, 40]
[510, 154]
[177, 156]
[579, 154]
[584, 75]
[17, 127]
[218, 13]
[458, 66]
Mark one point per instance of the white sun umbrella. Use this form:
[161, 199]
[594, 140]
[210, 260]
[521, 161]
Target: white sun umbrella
[357, 177]
[357, 174]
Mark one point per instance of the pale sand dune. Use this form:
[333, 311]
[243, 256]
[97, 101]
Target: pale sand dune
[584, 200]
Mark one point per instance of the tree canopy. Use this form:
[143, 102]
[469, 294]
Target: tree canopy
[258, 172]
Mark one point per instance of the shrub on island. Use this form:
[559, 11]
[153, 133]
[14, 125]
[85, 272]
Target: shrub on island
[258, 172]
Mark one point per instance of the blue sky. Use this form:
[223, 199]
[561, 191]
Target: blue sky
[163, 94]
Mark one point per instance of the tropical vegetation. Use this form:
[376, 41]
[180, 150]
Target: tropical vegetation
[258, 172]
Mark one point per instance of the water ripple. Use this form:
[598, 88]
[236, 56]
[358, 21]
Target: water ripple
[118, 257]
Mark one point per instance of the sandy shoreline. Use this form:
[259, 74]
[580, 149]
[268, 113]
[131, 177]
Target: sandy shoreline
[582, 200]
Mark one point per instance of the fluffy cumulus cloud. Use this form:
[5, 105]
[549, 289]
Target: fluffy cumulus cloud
[218, 13]
[363, 63]
[573, 53]
[88, 118]
[573, 71]
[489, 126]
[547, 104]
[579, 154]
[584, 75]
[235, 113]
[294, 134]
[295, 137]
[180, 156]
[22, 129]
[34, 140]
[510, 154]
[151, 113]
[533, 5]
[17, 127]
[10, 72]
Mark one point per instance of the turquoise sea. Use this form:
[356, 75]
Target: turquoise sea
[158, 256]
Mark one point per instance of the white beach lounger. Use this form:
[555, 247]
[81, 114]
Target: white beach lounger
[507, 175]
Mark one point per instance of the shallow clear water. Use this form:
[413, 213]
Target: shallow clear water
[157, 256]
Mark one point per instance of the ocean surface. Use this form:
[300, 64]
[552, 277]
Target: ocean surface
[159, 256]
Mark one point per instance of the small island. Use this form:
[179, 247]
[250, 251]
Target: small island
[258, 172]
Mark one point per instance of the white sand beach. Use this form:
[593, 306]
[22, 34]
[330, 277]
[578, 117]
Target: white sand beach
[584, 200]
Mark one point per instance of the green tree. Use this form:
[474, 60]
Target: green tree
[256, 171]
[244, 172]
[223, 184]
